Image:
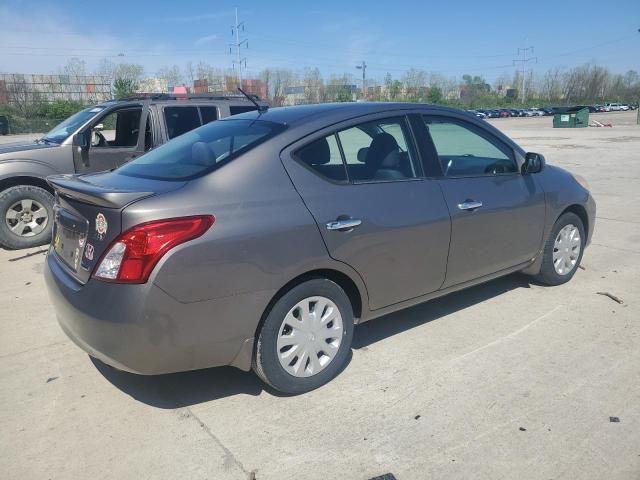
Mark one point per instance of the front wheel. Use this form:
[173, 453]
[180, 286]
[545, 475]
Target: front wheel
[26, 216]
[306, 337]
[563, 250]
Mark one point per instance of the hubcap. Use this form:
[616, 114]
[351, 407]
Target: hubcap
[566, 249]
[27, 217]
[310, 336]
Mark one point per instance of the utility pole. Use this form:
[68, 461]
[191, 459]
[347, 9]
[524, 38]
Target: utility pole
[235, 33]
[524, 60]
[363, 67]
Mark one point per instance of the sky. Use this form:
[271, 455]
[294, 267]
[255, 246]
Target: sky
[451, 37]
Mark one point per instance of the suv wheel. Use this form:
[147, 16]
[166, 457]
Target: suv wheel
[26, 216]
[306, 337]
[563, 250]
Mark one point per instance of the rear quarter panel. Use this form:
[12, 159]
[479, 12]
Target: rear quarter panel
[262, 238]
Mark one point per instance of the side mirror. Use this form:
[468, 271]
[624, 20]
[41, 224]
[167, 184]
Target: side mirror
[81, 139]
[98, 127]
[533, 163]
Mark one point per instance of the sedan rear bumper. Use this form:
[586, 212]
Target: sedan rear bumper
[141, 329]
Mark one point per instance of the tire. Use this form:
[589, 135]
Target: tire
[549, 274]
[38, 230]
[337, 314]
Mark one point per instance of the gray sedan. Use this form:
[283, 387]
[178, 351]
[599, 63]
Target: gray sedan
[259, 241]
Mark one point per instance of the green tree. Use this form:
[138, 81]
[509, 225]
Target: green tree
[124, 87]
[60, 109]
[435, 95]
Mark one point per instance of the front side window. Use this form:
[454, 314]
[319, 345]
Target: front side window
[181, 120]
[201, 151]
[119, 128]
[209, 114]
[465, 150]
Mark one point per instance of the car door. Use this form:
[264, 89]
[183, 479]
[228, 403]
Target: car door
[362, 181]
[497, 214]
[115, 138]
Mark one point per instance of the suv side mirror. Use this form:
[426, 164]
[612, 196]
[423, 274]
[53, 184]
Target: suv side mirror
[98, 127]
[81, 139]
[533, 163]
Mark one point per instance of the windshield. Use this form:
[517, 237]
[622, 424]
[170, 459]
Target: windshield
[202, 150]
[60, 132]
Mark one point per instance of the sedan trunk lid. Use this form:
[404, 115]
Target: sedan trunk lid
[87, 215]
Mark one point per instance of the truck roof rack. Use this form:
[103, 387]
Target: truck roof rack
[186, 96]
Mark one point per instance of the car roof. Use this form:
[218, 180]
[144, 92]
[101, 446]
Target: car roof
[301, 114]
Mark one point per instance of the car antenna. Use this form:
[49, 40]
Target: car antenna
[261, 108]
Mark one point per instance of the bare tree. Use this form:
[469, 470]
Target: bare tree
[171, 75]
[75, 67]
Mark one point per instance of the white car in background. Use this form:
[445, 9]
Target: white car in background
[614, 107]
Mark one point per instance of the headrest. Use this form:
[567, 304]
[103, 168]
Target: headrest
[316, 153]
[381, 146]
[362, 154]
[201, 154]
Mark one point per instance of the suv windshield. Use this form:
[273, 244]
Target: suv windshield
[202, 150]
[60, 132]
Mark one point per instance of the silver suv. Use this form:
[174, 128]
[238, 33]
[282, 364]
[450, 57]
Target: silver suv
[101, 137]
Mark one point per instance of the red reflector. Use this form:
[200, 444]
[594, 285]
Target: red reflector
[145, 244]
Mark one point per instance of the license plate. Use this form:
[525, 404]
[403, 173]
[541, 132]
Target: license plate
[69, 243]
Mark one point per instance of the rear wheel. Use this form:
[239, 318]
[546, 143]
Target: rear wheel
[563, 250]
[26, 216]
[306, 337]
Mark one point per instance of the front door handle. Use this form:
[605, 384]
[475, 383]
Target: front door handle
[469, 205]
[343, 225]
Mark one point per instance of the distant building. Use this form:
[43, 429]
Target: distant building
[255, 87]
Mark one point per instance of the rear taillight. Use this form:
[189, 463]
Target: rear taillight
[132, 256]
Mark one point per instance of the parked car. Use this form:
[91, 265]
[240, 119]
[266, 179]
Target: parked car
[613, 107]
[624, 106]
[477, 114]
[4, 125]
[505, 113]
[258, 241]
[97, 138]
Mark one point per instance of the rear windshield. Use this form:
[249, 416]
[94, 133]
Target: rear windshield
[201, 151]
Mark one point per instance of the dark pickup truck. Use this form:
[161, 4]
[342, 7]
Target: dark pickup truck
[97, 138]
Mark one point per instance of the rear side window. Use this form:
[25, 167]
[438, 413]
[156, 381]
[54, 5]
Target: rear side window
[209, 114]
[201, 151]
[181, 120]
[235, 109]
[323, 156]
[378, 150]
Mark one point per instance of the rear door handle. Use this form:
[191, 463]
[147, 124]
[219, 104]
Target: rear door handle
[342, 225]
[469, 205]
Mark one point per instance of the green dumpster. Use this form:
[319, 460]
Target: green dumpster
[574, 117]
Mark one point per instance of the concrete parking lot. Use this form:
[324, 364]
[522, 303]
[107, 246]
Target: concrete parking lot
[507, 380]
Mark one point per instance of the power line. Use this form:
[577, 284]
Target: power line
[235, 30]
[524, 60]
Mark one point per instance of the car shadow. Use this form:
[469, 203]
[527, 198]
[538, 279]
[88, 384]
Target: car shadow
[183, 389]
[394, 323]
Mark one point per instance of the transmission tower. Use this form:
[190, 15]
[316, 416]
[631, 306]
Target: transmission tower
[524, 57]
[239, 43]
